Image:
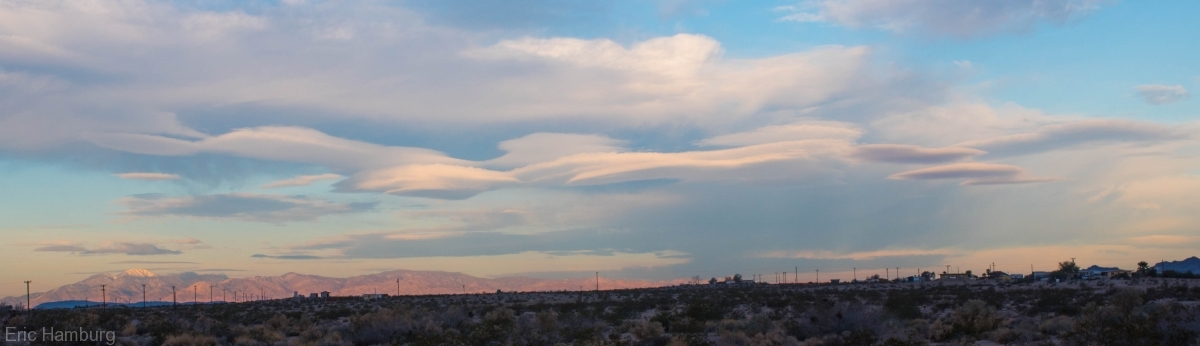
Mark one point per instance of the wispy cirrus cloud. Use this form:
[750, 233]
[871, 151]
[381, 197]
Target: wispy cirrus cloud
[1158, 94]
[288, 257]
[964, 19]
[126, 248]
[240, 206]
[147, 176]
[303, 180]
[901, 153]
[1077, 133]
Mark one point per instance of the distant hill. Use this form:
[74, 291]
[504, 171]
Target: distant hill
[1190, 264]
[126, 288]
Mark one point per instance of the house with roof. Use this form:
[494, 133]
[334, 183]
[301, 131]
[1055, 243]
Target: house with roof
[1103, 272]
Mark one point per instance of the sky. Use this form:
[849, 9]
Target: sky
[638, 139]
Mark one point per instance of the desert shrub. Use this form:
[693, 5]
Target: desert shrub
[1057, 325]
[970, 320]
[190, 340]
[1126, 320]
[905, 305]
[902, 342]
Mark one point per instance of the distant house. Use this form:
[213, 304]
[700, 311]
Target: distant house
[955, 277]
[1104, 272]
[296, 295]
[1040, 275]
[997, 275]
[835, 281]
[373, 296]
[313, 295]
[914, 278]
[324, 294]
[1016, 276]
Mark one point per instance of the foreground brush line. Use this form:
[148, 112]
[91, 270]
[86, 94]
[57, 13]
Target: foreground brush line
[1116, 312]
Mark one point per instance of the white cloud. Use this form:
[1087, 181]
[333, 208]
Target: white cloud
[1157, 94]
[539, 147]
[792, 132]
[303, 180]
[147, 176]
[942, 17]
[429, 180]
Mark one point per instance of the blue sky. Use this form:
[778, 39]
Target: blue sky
[643, 139]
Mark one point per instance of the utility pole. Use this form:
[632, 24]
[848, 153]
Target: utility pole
[818, 276]
[597, 281]
[103, 297]
[855, 274]
[210, 293]
[888, 272]
[195, 294]
[464, 289]
[173, 300]
[143, 296]
[262, 294]
[27, 301]
[223, 290]
[397, 287]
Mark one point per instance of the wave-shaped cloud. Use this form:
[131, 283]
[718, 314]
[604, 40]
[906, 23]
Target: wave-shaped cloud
[974, 173]
[240, 206]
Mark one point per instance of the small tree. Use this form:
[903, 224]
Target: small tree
[737, 278]
[1066, 270]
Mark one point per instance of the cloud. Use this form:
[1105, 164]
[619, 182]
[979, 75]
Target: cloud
[127, 248]
[288, 257]
[488, 243]
[238, 206]
[433, 180]
[901, 153]
[540, 147]
[303, 180]
[278, 143]
[974, 173]
[134, 249]
[578, 160]
[80, 81]
[148, 176]
[152, 262]
[1076, 133]
[1158, 94]
[61, 248]
[963, 19]
[791, 132]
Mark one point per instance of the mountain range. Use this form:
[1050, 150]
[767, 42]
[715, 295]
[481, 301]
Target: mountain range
[1190, 264]
[189, 287]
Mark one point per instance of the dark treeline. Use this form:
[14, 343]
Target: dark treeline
[1116, 312]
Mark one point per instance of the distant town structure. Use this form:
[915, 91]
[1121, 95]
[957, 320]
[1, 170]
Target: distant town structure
[1104, 272]
[955, 276]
